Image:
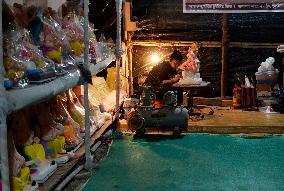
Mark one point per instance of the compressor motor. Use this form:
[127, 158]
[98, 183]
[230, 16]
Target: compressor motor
[142, 114]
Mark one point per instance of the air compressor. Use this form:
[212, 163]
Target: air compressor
[141, 113]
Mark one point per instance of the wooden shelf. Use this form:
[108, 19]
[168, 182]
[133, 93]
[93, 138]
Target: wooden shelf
[20, 98]
[64, 170]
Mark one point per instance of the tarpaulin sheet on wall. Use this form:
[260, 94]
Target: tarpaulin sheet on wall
[165, 20]
[232, 6]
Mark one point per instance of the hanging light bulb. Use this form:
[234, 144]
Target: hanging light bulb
[155, 58]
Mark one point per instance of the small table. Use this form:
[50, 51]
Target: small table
[190, 89]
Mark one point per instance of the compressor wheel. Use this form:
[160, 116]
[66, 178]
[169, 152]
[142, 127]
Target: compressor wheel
[136, 122]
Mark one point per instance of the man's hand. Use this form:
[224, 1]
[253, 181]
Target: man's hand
[176, 78]
[167, 82]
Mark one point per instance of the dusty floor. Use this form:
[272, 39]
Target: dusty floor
[227, 121]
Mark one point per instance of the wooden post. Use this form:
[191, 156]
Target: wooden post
[130, 67]
[124, 69]
[129, 28]
[283, 73]
[225, 45]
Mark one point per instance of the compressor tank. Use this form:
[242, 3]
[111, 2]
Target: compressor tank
[166, 117]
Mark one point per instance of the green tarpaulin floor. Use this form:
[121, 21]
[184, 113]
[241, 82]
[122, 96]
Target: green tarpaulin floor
[194, 162]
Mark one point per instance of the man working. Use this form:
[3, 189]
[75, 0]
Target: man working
[162, 76]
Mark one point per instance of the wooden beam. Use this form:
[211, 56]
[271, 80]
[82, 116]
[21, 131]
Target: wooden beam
[225, 47]
[175, 43]
[253, 45]
[128, 24]
[209, 44]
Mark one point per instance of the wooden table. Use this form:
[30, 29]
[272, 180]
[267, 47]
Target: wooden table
[190, 89]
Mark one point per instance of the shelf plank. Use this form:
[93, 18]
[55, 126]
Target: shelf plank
[64, 170]
[20, 98]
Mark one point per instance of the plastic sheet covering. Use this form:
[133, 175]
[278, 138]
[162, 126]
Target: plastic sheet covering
[74, 32]
[20, 98]
[98, 67]
[108, 104]
[61, 115]
[22, 56]
[76, 112]
[240, 62]
[97, 117]
[98, 91]
[73, 28]
[210, 70]
[166, 20]
[92, 40]
[101, 95]
[54, 42]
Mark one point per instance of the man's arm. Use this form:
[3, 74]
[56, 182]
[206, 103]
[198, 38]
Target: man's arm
[173, 80]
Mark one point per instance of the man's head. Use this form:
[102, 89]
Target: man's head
[176, 59]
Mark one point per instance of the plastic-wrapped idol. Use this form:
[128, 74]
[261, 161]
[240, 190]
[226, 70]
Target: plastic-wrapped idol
[54, 43]
[24, 62]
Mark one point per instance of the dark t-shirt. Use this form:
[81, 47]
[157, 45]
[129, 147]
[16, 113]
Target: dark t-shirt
[162, 71]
